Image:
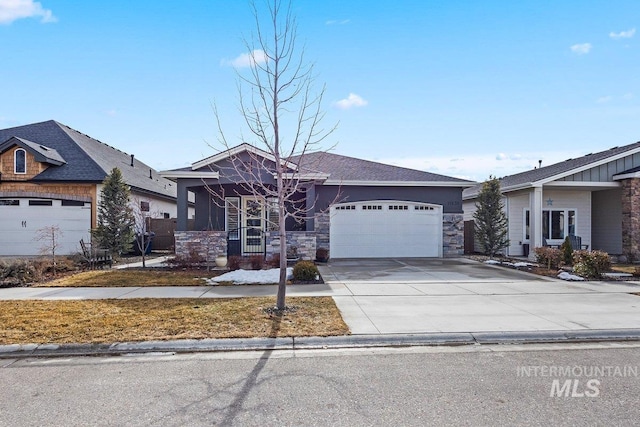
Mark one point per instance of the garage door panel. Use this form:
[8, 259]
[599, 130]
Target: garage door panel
[19, 227]
[391, 229]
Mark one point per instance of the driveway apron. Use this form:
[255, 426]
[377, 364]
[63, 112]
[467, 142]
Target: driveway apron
[392, 296]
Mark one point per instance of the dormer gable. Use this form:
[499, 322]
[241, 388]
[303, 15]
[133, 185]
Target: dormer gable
[21, 159]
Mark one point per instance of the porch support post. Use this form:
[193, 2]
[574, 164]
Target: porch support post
[183, 206]
[310, 209]
[535, 220]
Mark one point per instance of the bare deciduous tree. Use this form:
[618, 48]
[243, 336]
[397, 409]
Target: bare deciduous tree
[142, 212]
[50, 238]
[282, 113]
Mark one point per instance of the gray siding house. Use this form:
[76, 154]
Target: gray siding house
[596, 197]
[352, 207]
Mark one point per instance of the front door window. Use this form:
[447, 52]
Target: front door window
[253, 226]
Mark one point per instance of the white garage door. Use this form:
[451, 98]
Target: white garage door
[22, 219]
[380, 229]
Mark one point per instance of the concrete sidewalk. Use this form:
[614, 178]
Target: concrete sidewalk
[423, 307]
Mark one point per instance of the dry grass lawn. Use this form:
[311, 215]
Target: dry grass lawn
[106, 321]
[626, 268]
[116, 278]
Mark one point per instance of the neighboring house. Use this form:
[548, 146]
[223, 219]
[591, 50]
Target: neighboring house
[51, 175]
[596, 197]
[356, 208]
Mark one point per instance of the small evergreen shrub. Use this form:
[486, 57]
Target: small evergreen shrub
[305, 271]
[257, 262]
[548, 257]
[567, 252]
[591, 265]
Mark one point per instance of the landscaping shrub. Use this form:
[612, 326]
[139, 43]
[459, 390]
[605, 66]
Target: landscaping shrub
[549, 257]
[591, 265]
[305, 271]
[567, 252]
[17, 273]
[192, 259]
[274, 261]
[234, 262]
[322, 254]
[257, 262]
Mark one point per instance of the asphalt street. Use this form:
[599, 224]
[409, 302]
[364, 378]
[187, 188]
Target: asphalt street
[470, 385]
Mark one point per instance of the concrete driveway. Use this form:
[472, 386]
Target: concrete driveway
[459, 295]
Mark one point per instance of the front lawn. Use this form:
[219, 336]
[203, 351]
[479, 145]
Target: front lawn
[132, 277]
[107, 321]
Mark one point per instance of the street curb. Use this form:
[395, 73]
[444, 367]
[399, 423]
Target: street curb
[14, 351]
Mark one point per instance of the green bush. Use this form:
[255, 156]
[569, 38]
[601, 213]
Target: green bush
[591, 265]
[305, 271]
[548, 257]
[567, 252]
[17, 273]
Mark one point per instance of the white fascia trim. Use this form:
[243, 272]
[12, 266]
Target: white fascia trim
[401, 183]
[237, 150]
[589, 166]
[626, 176]
[579, 184]
[188, 174]
[304, 176]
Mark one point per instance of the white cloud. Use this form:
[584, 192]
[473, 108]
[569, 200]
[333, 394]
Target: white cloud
[604, 99]
[581, 48]
[337, 22]
[351, 101]
[478, 167]
[12, 10]
[245, 60]
[623, 34]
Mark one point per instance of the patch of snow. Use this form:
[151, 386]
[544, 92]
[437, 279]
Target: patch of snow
[568, 276]
[245, 277]
[492, 262]
[522, 264]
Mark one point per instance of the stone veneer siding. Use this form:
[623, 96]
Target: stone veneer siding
[305, 241]
[452, 235]
[308, 241]
[213, 242]
[631, 218]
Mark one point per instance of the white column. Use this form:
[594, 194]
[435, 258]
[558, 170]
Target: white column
[535, 220]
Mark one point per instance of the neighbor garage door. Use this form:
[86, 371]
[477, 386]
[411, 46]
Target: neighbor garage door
[21, 220]
[380, 229]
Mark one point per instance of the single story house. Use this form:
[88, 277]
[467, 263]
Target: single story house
[596, 197]
[353, 207]
[51, 174]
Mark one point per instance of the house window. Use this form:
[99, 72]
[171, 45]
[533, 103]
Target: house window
[272, 214]
[20, 161]
[40, 203]
[232, 220]
[144, 206]
[556, 224]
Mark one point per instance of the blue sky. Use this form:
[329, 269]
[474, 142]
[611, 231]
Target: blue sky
[461, 88]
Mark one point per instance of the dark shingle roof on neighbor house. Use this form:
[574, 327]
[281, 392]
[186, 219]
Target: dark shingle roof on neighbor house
[87, 159]
[540, 174]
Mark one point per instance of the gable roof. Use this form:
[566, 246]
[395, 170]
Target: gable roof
[332, 169]
[350, 170]
[234, 151]
[87, 159]
[543, 175]
[40, 152]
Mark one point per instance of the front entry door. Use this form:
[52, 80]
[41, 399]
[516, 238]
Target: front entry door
[253, 226]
